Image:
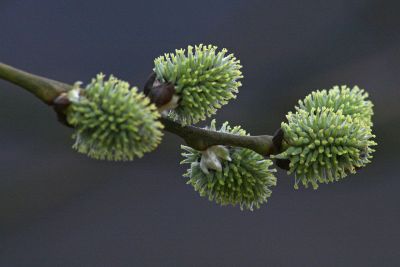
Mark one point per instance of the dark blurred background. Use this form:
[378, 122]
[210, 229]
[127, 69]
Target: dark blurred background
[59, 208]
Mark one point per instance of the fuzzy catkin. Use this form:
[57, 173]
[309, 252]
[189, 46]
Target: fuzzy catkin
[204, 80]
[325, 145]
[351, 101]
[113, 121]
[245, 178]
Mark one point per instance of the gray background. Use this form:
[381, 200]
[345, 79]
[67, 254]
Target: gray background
[59, 208]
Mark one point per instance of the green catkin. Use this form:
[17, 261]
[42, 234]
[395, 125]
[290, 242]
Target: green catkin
[325, 145]
[113, 121]
[245, 179]
[204, 80]
[353, 102]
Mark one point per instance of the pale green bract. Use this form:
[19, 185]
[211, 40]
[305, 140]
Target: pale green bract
[245, 177]
[113, 121]
[324, 145]
[352, 102]
[204, 80]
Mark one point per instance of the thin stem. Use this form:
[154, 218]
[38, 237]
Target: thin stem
[43, 88]
[48, 90]
[201, 139]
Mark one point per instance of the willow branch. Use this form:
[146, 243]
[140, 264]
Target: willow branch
[48, 90]
[200, 139]
[43, 88]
